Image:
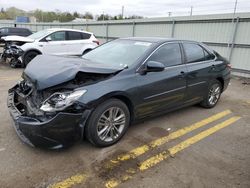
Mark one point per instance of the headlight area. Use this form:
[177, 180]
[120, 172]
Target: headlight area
[59, 101]
[51, 130]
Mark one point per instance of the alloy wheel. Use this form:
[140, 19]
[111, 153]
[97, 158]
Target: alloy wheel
[111, 124]
[214, 94]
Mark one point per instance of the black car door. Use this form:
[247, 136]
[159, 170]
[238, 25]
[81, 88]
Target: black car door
[161, 91]
[199, 68]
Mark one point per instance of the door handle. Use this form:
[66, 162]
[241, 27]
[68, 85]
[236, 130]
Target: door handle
[182, 74]
[213, 67]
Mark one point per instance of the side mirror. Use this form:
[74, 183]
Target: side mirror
[48, 38]
[154, 66]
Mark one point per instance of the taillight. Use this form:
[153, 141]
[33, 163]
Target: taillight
[96, 41]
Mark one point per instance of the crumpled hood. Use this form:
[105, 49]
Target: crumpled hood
[46, 70]
[14, 38]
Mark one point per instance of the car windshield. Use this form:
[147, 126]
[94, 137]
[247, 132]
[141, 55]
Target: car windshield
[118, 53]
[39, 34]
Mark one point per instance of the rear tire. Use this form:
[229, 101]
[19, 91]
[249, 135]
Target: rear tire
[213, 95]
[86, 51]
[108, 123]
[29, 56]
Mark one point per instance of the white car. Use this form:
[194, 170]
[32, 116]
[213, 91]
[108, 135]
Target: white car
[54, 41]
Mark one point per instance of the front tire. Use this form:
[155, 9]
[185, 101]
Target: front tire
[213, 95]
[29, 56]
[108, 123]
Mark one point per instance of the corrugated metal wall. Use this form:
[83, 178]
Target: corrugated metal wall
[230, 37]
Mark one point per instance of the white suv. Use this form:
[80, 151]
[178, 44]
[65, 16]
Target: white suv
[54, 41]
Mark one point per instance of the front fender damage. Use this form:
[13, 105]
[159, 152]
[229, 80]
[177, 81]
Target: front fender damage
[52, 131]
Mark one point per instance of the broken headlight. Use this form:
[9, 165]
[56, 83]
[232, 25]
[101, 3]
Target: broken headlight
[60, 101]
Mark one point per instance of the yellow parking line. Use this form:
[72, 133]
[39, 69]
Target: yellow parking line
[69, 182]
[77, 179]
[144, 148]
[158, 158]
[152, 161]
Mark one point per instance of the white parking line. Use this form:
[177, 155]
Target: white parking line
[2, 149]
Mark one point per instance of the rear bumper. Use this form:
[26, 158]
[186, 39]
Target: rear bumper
[55, 132]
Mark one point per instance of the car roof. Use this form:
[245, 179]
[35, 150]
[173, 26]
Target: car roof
[66, 29]
[156, 39]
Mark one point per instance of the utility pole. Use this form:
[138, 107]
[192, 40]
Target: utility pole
[122, 11]
[235, 8]
[234, 30]
[191, 11]
[169, 14]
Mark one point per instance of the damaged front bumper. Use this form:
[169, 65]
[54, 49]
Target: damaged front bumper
[13, 53]
[55, 132]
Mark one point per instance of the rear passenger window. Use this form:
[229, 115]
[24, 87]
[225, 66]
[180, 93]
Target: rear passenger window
[168, 54]
[72, 35]
[194, 52]
[86, 35]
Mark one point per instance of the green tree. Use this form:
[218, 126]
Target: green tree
[104, 17]
[13, 12]
[76, 15]
[88, 15]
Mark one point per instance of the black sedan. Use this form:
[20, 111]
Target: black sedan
[7, 31]
[99, 95]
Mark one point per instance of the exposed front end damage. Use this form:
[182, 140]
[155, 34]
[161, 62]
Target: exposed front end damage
[51, 130]
[14, 54]
[12, 50]
[45, 106]
[38, 128]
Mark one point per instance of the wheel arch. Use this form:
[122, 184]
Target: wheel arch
[120, 96]
[221, 80]
[128, 102]
[32, 49]
[88, 46]
[86, 50]
[26, 52]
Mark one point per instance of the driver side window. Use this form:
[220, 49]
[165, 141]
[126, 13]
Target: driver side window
[168, 54]
[58, 36]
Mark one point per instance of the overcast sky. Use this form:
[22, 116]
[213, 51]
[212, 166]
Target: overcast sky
[147, 8]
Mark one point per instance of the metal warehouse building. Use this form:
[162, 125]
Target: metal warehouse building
[226, 33]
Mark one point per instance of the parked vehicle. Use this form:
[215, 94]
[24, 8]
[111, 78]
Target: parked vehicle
[51, 41]
[62, 99]
[7, 31]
